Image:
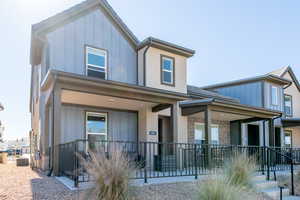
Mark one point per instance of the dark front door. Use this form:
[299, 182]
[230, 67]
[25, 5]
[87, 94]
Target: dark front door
[253, 135]
[277, 137]
[160, 135]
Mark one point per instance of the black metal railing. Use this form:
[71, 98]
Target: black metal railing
[155, 159]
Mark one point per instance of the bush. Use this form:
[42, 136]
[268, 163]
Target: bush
[239, 170]
[111, 176]
[218, 188]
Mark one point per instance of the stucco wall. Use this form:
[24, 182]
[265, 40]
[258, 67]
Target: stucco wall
[153, 70]
[294, 92]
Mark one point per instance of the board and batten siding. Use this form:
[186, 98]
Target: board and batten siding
[248, 93]
[122, 125]
[66, 46]
[268, 95]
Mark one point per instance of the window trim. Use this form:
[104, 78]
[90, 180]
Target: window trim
[212, 126]
[161, 70]
[291, 135]
[289, 115]
[95, 114]
[277, 95]
[86, 47]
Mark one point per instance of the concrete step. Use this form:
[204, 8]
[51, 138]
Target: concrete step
[263, 184]
[275, 192]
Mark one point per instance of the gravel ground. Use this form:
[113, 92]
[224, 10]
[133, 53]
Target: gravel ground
[22, 183]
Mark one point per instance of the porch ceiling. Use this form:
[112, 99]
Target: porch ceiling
[94, 100]
[221, 116]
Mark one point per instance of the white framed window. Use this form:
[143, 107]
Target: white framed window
[274, 95]
[96, 62]
[288, 138]
[288, 105]
[200, 133]
[167, 70]
[96, 128]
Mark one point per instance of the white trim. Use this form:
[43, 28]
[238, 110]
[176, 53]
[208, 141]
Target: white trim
[276, 101]
[98, 52]
[166, 70]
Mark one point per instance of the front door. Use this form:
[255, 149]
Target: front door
[277, 137]
[253, 135]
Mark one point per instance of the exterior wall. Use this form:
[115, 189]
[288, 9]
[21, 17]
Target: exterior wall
[248, 93]
[267, 101]
[294, 92]
[122, 125]
[295, 136]
[224, 129]
[66, 47]
[153, 70]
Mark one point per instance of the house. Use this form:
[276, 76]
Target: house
[93, 80]
[278, 90]
[291, 120]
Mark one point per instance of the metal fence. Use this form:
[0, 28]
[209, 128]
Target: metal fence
[154, 159]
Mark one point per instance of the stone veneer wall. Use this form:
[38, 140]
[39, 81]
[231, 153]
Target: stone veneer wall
[224, 129]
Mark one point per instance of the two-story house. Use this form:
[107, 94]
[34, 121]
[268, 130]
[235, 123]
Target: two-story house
[291, 119]
[271, 91]
[93, 79]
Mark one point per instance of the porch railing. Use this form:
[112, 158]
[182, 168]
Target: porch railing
[154, 159]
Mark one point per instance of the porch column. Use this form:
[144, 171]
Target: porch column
[179, 124]
[271, 133]
[207, 121]
[56, 128]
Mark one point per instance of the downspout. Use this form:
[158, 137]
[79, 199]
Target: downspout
[144, 59]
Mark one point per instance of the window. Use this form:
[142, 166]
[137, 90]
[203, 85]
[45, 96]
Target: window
[288, 105]
[200, 133]
[96, 128]
[288, 138]
[96, 63]
[274, 95]
[167, 70]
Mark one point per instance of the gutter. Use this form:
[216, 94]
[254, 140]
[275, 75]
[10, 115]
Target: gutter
[144, 59]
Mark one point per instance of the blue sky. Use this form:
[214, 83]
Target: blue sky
[233, 39]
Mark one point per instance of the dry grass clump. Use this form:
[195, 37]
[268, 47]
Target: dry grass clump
[111, 176]
[240, 169]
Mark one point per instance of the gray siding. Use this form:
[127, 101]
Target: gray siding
[248, 93]
[66, 47]
[122, 125]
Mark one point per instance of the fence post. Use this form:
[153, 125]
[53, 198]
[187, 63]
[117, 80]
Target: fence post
[76, 165]
[263, 160]
[195, 161]
[292, 171]
[145, 168]
[268, 164]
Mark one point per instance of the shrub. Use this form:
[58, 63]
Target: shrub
[111, 176]
[218, 188]
[239, 170]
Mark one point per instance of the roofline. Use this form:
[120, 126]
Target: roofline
[164, 45]
[213, 101]
[268, 77]
[54, 75]
[290, 70]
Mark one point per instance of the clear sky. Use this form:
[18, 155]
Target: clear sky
[233, 39]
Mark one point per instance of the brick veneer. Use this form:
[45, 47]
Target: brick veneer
[224, 129]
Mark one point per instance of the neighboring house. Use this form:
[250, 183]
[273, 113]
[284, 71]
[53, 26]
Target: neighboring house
[291, 119]
[93, 79]
[278, 90]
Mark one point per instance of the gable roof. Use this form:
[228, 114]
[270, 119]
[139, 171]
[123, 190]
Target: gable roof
[282, 71]
[268, 77]
[160, 44]
[66, 16]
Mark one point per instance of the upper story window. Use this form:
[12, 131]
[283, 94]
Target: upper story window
[96, 62]
[274, 95]
[288, 105]
[167, 70]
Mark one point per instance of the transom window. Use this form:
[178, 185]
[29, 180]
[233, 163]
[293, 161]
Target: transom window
[288, 105]
[167, 70]
[200, 133]
[96, 128]
[288, 138]
[96, 62]
[274, 95]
